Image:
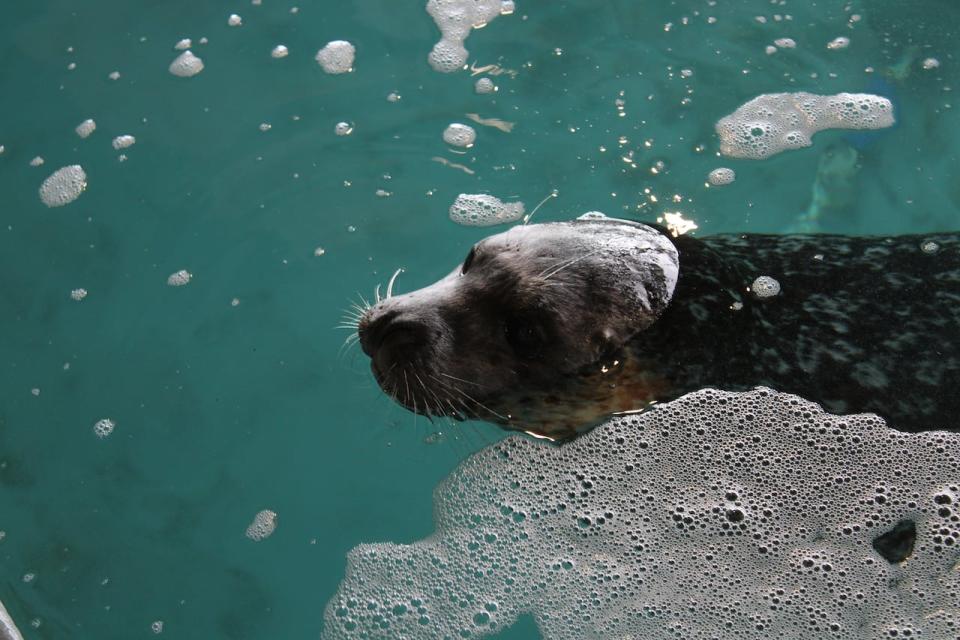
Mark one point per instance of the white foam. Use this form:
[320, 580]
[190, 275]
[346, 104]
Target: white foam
[930, 63]
[785, 43]
[721, 176]
[455, 19]
[179, 278]
[343, 129]
[186, 65]
[124, 141]
[114, 75]
[337, 56]
[840, 42]
[37, 161]
[484, 85]
[718, 515]
[85, 128]
[183, 44]
[63, 186]
[775, 122]
[279, 51]
[459, 135]
[78, 294]
[765, 287]
[263, 525]
[234, 20]
[483, 210]
[103, 428]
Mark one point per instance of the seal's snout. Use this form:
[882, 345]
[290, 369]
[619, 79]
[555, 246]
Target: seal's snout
[389, 337]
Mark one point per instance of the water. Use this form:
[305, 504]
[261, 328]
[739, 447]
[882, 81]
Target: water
[224, 409]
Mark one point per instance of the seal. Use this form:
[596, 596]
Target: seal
[550, 328]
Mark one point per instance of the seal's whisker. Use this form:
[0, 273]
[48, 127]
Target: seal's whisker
[477, 402]
[572, 262]
[526, 218]
[376, 293]
[393, 279]
[348, 343]
[447, 375]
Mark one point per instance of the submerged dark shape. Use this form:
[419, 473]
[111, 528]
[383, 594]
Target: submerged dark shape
[897, 544]
[550, 328]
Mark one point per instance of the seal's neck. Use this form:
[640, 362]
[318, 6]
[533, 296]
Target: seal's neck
[707, 331]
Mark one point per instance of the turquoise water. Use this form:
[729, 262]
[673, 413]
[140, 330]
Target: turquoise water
[224, 409]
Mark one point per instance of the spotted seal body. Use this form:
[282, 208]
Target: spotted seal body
[550, 328]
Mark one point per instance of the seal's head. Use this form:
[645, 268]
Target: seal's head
[530, 331]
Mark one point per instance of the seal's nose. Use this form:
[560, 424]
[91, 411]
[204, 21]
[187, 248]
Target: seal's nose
[387, 336]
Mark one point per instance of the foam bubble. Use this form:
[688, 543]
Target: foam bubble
[483, 210]
[37, 161]
[263, 525]
[179, 278]
[484, 85]
[279, 51]
[343, 129]
[103, 428]
[114, 75]
[930, 63]
[459, 135]
[78, 294]
[183, 44]
[775, 122]
[840, 42]
[719, 515]
[124, 141]
[63, 186]
[785, 43]
[337, 56]
[455, 19]
[85, 128]
[186, 65]
[234, 20]
[721, 176]
[765, 287]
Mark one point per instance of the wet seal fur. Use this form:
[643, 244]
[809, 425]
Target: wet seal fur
[550, 328]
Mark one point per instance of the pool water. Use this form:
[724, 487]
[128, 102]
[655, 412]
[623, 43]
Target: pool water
[232, 394]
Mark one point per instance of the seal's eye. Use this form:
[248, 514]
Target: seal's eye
[469, 260]
[525, 336]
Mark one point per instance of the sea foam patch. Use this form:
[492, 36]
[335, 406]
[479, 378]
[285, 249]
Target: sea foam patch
[484, 210]
[63, 186]
[731, 515]
[776, 122]
[455, 19]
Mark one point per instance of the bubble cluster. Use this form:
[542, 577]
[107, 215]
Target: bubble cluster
[482, 210]
[78, 294]
[455, 19]
[63, 186]
[263, 525]
[179, 278]
[721, 176]
[85, 128]
[337, 56]
[775, 122]
[719, 515]
[459, 135]
[279, 51]
[840, 42]
[103, 428]
[124, 141]
[186, 65]
[183, 45]
[234, 20]
[343, 128]
[785, 43]
[484, 85]
[930, 63]
[765, 287]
